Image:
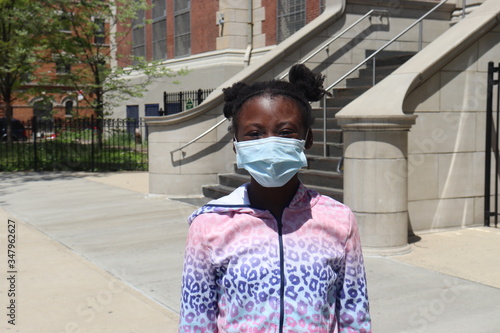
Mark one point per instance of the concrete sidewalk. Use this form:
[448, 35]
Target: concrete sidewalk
[95, 253]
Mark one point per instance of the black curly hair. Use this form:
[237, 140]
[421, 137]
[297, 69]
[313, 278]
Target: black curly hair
[303, 87]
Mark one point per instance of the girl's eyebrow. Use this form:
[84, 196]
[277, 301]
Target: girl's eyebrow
[258, 125]
[283, 123]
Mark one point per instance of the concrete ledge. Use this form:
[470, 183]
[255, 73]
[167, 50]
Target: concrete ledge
[369, 251]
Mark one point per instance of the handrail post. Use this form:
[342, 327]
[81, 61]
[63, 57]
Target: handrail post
[324, 126]
[374, 73]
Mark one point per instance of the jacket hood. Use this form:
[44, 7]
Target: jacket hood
[238, 201]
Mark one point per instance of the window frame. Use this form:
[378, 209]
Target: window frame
[100, 23]
[138, 27]
[159, 45]
[280, 15]
[62, 67]
[179, 36]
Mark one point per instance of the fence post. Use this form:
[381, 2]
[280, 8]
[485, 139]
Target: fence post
[92, 151]
[181, 102]
[487, 157]
[34, 130]
[200, 96]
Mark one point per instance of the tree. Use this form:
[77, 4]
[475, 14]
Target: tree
[24, 28]
[90, 32]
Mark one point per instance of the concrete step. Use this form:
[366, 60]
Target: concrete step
[332, 149]
[331, 110]
[329, 179]
[332, 135]
[340, 102]
[362, 81]
[379, 70]
[389, 58]
[331, 123]
[323, 163]
[216, 191]
[233, 180]
[348, 92]
[333, 193]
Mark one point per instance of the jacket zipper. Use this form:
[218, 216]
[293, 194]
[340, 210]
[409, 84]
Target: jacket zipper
[282, 275]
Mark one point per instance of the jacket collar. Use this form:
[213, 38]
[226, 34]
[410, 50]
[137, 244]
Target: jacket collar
[238, 201]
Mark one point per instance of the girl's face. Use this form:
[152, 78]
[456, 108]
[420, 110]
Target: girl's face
[266, 116]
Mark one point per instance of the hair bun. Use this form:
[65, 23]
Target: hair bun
[309, 83]
[231, 95]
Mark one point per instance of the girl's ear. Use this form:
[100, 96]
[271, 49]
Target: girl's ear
[309, 139]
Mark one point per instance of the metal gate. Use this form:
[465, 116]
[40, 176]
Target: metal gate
[492, 143]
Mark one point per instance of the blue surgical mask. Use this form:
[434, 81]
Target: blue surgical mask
[271, 161]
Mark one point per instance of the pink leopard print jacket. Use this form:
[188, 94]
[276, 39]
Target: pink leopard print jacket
[244, 271]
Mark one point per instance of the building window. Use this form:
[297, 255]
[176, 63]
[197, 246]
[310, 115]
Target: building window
[42, 109]
[65, 21]
[291, 17]
[62, 67]
[138, 38]
[159, 30]
[182, 26]
[99, 33]
[68, 108]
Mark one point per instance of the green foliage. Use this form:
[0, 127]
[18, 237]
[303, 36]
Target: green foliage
[61, 155]
[25, 28]
[96, 29]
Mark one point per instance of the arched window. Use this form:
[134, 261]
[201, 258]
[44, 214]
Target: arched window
[68, 108]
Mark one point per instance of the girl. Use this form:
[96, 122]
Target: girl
[274, 256]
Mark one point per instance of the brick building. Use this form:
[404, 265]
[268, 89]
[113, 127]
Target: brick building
[213, 39]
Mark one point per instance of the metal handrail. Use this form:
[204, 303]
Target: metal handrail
[385, 45]
[330, 41]
[325, 45]
[199, 136]
[330, 87]
[321, 48]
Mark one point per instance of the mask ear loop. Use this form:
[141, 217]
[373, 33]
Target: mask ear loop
[305, 138]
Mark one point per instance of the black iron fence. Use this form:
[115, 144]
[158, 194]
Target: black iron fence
[183, 100]
[88, 144]
[492, 145]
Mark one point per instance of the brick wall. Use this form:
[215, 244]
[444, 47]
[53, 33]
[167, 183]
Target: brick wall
[204, 30]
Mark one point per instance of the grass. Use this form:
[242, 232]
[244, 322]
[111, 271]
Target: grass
[71, 152]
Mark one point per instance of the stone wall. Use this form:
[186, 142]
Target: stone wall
[447, 143]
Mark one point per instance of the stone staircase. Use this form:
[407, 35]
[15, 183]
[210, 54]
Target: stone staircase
[322, 172]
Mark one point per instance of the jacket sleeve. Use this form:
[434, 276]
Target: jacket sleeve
[352, 308]
[199, 309]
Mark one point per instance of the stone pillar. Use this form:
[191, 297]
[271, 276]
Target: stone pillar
[375, 180]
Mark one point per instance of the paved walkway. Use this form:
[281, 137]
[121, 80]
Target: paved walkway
[95, 253]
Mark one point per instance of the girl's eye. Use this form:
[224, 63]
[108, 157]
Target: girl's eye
[286, 133]
[254, 135]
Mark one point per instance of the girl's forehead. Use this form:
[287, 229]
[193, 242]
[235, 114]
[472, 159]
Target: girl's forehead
[271, 102]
